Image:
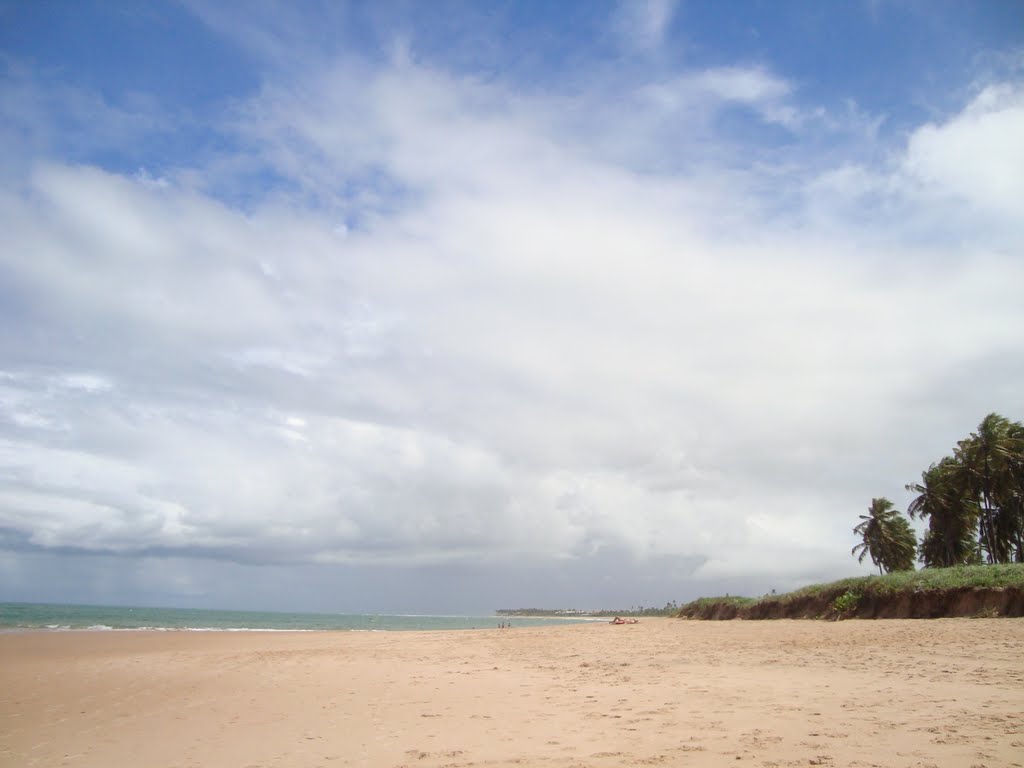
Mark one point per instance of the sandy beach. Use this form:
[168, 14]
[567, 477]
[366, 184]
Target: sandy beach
[663, 692]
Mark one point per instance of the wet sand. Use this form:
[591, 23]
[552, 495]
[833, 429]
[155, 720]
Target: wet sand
[663, 692]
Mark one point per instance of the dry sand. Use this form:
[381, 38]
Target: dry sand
[664, 692]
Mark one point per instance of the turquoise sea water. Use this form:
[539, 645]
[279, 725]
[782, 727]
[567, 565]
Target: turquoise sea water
[33, 616]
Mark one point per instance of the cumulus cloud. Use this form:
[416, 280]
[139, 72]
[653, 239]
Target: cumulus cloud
[457, 332]
[977, 157]
[953, 179]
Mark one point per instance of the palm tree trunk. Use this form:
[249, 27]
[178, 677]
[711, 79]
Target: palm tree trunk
[990, 532]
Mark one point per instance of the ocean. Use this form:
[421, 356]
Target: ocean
[33, 616]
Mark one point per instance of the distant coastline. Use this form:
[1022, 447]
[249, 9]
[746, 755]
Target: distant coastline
[670, 609]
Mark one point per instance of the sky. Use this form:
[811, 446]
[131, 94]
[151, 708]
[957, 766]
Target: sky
[452, 306]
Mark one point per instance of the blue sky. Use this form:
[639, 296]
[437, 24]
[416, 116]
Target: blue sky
[188, 65]
[452, 306]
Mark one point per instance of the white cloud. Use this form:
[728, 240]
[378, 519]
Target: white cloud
[708, 90]
[978, 156]
[744, 85]
[953, 180]
[521, 348]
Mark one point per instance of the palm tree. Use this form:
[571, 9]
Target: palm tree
[887, 537]
[944, 498]
[1013, 502]
[993, 462]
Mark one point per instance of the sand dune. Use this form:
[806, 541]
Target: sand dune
[664, 692]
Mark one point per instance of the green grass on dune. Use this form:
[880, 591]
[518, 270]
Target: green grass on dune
[957, 577]
[727, 600]
[890, 585]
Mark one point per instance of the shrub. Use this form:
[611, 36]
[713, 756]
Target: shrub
[846, 603]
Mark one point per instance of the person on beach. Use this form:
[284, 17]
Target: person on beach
[620, 620]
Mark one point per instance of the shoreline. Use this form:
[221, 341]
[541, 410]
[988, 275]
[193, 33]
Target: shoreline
[893, 693]
[40, 616]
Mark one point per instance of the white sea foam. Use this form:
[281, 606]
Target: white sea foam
[247, 629]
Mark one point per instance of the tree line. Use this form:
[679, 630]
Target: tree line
[973, 502]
